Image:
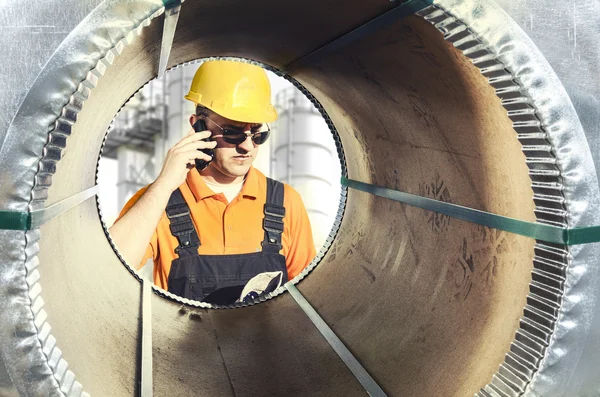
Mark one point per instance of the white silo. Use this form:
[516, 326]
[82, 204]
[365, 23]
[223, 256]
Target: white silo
[304, 155]
[179, 109]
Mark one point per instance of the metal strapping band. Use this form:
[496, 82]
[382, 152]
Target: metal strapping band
[172, 9]
[10, 220]
[146, 370]
[402, 10]
[371, 387]
[548, 233]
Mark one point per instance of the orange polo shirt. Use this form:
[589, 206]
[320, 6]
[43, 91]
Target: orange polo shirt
[231, 228]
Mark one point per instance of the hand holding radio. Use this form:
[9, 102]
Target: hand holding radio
[195, 149]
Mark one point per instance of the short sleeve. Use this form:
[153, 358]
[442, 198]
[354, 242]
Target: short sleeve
[299, 246]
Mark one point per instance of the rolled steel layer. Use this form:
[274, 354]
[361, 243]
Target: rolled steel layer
[454, 103]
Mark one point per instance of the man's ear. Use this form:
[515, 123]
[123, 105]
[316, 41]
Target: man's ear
[193, 119]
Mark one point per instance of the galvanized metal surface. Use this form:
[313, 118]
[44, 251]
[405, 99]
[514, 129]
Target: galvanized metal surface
[559, 361]
[7, 389]
[571, 345]
[28, 40]
[35, 362]
[567, 34]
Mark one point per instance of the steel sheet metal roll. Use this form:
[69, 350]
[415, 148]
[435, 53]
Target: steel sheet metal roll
[455, 103]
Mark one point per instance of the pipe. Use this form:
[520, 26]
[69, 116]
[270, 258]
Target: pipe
[428, 305]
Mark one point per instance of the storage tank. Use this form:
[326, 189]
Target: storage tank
[305, 156]
[179, 109]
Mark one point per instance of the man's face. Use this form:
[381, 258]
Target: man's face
[230, 159]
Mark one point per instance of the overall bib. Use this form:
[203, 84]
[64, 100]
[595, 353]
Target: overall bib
[220, 279]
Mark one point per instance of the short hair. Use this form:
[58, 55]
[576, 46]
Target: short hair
[202, 110]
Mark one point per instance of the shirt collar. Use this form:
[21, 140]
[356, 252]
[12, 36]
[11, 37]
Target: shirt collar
[250, 188]
[201, 191]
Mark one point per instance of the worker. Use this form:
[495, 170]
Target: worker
[210, 221]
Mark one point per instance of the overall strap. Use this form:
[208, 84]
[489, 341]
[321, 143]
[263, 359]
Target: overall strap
[182, 226]
[273, 220]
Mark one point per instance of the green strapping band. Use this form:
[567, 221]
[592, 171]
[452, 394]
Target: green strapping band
[548, 233]
[11, 220]
[15, 220]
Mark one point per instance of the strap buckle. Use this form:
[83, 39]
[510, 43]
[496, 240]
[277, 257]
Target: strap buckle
[274, 210]
[178, 214]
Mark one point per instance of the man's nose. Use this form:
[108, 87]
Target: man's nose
[247, 145]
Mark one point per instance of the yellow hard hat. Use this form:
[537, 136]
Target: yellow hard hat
[235, 90]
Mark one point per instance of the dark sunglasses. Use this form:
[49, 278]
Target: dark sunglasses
[237, 137]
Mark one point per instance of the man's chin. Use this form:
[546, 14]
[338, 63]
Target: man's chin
[238, 170]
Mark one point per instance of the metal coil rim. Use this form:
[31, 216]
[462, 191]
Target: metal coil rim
[51, 152]
[542, 325]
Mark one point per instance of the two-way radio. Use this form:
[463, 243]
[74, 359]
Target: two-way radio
[201, 164]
